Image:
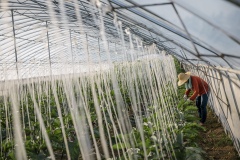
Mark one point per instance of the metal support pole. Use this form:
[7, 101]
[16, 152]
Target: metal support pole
[185, 28]
[88, 58]
[115, 48]
[211, 96]
[139, 6]
[99, 50]
[49, 53]
[233, 37]
[71, 49]
[109, 51]
[228, 105]
[233, 94]
[15, 45]
[237, 72]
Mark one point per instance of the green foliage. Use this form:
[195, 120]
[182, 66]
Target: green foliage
[178, 66]
[189, 128]
[186, 147]
[193, 153]
[152, 137]
[120, 146]
[74, 149]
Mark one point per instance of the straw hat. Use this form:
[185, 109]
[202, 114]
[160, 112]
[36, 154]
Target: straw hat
[183, 77]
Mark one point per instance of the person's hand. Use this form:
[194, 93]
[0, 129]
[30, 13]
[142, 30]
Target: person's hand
[189, 100]
[185, 97]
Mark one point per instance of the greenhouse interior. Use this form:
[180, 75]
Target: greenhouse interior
[98, 79]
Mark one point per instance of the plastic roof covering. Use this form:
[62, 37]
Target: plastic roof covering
[195, 32]
[217, 41]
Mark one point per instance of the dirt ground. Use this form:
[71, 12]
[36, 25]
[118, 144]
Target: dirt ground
[217, 145]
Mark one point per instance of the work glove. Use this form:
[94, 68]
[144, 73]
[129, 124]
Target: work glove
[185, 97]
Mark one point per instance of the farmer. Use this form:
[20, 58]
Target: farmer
[200, 92]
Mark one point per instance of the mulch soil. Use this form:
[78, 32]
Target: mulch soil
[215, 142]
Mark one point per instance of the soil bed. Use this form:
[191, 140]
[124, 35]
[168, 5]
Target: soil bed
[215, 142]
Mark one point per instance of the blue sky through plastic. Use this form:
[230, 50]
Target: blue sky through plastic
[223, 14]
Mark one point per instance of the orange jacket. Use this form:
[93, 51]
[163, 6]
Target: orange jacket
[199, 86]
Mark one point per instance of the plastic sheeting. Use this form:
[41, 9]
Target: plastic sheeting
[37, 39]
[213, 25]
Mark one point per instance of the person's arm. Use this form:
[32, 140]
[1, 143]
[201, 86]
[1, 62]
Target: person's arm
[196, 90]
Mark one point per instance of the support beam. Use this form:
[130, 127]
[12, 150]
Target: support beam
[222, 69]
[145, 5]
[15, 44]
[70, 36]
[49, 53]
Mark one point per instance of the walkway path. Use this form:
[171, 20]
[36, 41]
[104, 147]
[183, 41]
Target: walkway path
[215, 142]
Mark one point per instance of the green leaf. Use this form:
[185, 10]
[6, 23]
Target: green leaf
[194, 153]
[195, 150]
[34, 156]
[180, 138]
[74, 149]
[191, 109]
[11, 155]
[120, 146]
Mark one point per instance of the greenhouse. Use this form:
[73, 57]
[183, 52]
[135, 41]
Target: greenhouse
[98, 79]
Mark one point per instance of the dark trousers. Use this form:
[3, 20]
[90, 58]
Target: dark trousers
[201, 103]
